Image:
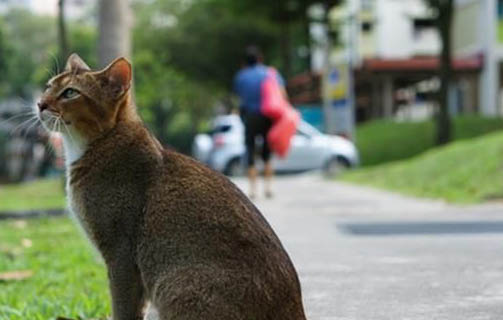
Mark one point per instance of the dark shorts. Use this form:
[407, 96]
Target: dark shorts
[256, 125]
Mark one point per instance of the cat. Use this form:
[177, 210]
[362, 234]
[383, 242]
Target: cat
[171, 231]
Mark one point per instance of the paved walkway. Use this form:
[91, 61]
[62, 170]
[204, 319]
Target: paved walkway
[371, 255]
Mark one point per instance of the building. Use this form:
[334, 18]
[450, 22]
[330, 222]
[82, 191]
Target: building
[394, 50]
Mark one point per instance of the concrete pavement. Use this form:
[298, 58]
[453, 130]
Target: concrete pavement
[368, 254]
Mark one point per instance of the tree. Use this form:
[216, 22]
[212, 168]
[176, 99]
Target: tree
[292, 21]
[62, 34]
[175, 99]
[114, 30]
[444, 10]
[29, 51]
[5, 53]
[208, 41]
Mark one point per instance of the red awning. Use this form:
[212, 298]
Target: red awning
[420, 64]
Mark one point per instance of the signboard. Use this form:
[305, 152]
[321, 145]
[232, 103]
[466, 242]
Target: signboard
[338, 108]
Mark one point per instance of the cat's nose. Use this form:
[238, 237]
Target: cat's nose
[42, 106]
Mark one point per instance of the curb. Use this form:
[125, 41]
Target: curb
[31, 214]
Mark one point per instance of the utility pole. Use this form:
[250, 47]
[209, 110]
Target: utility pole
[338, 80]
[489, 79]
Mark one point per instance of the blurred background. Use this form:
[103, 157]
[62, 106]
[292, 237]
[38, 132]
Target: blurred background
[394, 77]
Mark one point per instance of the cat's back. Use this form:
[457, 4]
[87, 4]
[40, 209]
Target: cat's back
[211, 239]
[190, 196]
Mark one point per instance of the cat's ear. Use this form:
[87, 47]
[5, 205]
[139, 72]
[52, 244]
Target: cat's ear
[75, 63]
[118, 76]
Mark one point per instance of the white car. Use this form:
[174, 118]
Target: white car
[223, 149]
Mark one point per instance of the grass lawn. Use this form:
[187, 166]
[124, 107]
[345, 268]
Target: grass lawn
[68, 279]
[41, 194]
[384, 141]
[465, 172]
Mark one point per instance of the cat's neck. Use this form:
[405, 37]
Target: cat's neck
[74, 147]
[123, 133]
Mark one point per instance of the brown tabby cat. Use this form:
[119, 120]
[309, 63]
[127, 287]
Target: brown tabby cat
[171, 231]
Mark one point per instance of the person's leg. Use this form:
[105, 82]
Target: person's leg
[250, 153]
[268, 174]
[252, 179]
[266, 157]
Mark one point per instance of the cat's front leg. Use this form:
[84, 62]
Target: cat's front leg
[126, 288]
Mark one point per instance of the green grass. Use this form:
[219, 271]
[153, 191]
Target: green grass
[68, 279]
[464, 172]
[42, 194]
[500, 31]
[384, 141]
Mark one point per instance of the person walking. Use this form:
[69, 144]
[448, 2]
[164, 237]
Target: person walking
[247, 85]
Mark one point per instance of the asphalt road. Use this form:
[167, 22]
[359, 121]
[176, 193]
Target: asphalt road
[368, 254]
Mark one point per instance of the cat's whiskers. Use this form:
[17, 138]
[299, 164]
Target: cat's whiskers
[29, 105]
[23, 125]
[59, 124]
[53, 56]
[74, 147]
[17, 116]
[31, 115]
[69, 132]
[50, 146]
[27, 130]
[50, 72]
[54, 121]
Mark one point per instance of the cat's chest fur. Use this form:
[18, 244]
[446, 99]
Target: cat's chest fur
[76, 205]
[107, 186]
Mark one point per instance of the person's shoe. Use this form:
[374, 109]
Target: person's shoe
[268, 194]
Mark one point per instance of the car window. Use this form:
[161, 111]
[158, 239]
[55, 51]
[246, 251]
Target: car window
[221, 129]
[302, 133]
[307, 129]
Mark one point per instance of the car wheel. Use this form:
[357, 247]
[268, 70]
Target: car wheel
[234, 168]
[335, 166]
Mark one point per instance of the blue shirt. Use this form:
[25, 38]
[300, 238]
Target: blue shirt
[247, 85]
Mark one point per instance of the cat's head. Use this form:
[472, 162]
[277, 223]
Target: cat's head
[86, 103]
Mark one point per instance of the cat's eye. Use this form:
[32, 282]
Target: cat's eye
[70, 93]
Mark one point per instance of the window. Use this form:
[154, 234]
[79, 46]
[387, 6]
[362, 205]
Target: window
[422, 25]
[366, 26]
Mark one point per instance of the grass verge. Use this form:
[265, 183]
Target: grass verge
[68, 279]
[385, 141]
[464, 172]
[41, 194]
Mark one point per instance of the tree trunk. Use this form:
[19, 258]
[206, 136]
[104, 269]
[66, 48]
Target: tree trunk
[286, 48]
[306, 25]
[114, 30]
[445, 17]
[63, 38]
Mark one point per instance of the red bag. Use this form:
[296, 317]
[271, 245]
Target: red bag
[275, 106]
[273, 103]
[282, 131]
